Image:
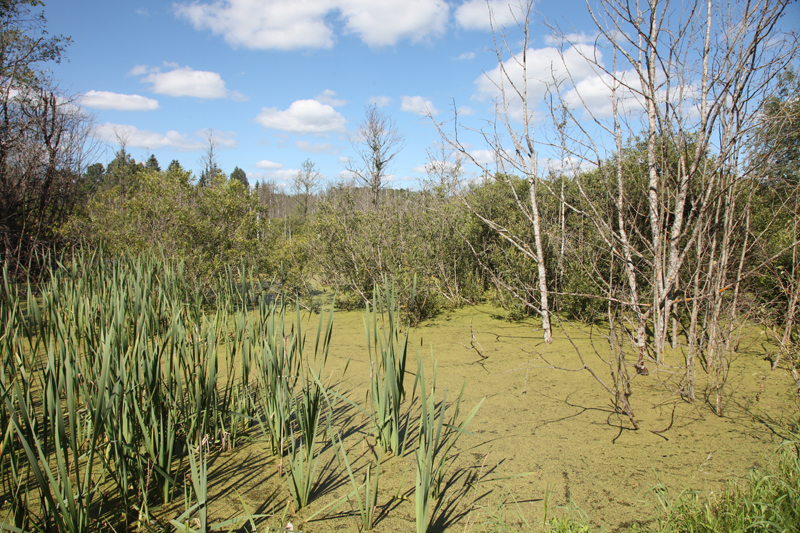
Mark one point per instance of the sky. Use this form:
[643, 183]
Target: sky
[277, 82]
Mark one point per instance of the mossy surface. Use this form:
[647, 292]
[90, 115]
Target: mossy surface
[558, 426]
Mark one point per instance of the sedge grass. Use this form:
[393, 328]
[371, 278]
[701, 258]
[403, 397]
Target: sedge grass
[764, 501]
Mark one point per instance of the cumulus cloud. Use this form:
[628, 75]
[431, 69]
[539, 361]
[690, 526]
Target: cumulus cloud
[421, 169]
[222, 139]
[474, 14]
[185, 81]
[380, 101]
[483, 157]
[303, 116]
[418, 105]
[545, 66]
[140, 70]
[316, 148]
[594, 94]
[329, 97]
[265, 164]
[290, 25]
[120, 102]
[466, 55]
[580, 38]
[136, 138]
[389, 21]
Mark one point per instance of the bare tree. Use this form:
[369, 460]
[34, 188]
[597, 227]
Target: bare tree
[511, 137]
[44, 137]
[208, 161]
[444, 168]
[690, 84]
[376, 143]
[305, 183]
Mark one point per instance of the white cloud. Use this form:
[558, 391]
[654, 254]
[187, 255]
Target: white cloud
[316, 148]
[185, 81]
[329, 97]
[466, 111]
[268, 164]
[418, 105]
[136, 138]
[222, 139]
[140, 70]
[380, 101]
[546, 66]
[282, 177]
[483, 157]
[466, 55]
[283, 25]
[133, 137]
[595, 94]
[474, 14]
[389, 21]
[571, 38]
[303, 116]
[121, 102]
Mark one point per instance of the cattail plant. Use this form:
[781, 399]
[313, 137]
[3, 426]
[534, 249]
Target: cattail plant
[368, 506]
[438, 433]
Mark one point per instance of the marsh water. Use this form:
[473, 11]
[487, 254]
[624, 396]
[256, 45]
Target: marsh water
[544, 440]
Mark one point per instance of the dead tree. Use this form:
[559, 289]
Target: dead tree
[376, 143]
[690, 82]
[514, 153]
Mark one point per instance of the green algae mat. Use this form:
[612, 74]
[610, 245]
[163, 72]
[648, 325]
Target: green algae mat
[546, 439]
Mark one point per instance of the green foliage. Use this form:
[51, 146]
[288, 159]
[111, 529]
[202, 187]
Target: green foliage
[408, 236]
[776, 144]
[210, 228]
[24, 45]
[241, 176]
[509, 269]
[766, 501]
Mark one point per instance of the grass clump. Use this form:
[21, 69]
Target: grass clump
[766, 501]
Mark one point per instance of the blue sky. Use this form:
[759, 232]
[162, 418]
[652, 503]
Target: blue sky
[281, 81]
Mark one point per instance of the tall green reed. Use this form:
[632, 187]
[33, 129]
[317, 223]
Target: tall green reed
[291, 393]
[388, 350]
[438, 433]
[368, 506]
[112, 367]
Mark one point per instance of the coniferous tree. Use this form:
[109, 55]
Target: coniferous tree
[152, 164]
[239, 175]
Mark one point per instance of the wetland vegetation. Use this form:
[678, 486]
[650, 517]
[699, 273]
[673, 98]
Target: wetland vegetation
[610, 342]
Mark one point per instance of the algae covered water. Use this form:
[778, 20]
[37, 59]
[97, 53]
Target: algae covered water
[546, 437]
